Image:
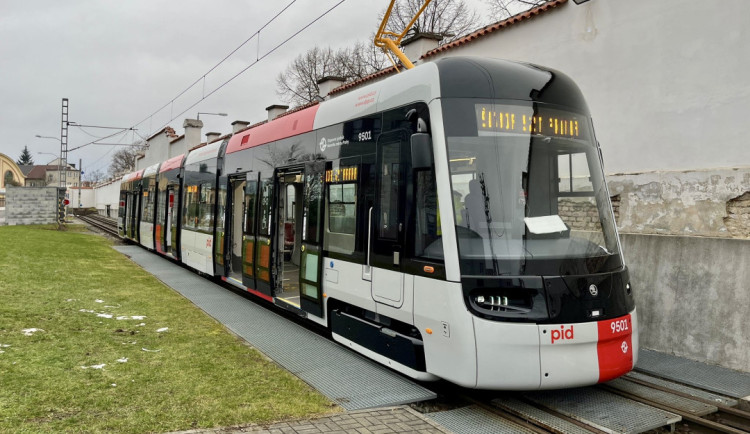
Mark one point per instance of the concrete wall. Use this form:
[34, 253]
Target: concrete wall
[31, 205]
[107, 194]
[692, 296]
[87, 197]
[713, 203]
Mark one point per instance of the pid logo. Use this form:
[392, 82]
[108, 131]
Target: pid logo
[563, 334]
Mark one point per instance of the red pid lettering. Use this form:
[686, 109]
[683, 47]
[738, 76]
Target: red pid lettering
[563, 334]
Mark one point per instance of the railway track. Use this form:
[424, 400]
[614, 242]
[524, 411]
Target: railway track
[635, 403]
[105, 224]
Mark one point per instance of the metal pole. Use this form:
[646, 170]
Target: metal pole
[80, 170]
[63, 156]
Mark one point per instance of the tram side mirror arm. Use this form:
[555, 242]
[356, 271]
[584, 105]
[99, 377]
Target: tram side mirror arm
[421, 151]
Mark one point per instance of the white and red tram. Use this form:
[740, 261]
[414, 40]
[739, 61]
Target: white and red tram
[449, 222]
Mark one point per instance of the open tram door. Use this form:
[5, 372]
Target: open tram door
[296, 246]
[235, 220]
[171, 222]
[311, 251]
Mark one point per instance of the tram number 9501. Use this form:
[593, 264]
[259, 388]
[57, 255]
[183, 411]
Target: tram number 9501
[619, 326]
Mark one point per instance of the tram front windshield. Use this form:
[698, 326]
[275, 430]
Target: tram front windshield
[529, 196]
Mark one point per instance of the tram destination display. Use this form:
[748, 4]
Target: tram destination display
[494, 118]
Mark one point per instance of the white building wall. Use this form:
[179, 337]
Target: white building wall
[86, 198]
[107, 194]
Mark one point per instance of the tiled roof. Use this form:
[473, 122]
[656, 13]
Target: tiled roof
[523, 16]
[379, 74]
[296, 109]
[38, 172]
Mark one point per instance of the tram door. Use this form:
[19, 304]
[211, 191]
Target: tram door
[234, 240]
[171, 223]
[263, 271]
[311, 250]
[288, 221]
[298, 237]
[133, 207]
[389, 218]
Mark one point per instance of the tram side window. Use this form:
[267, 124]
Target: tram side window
[342, 204]
[208, 197]
[250, 195]
[199, 203]
[341, 223]
[389, 190]
[427, 224]
[148, 205]
[313, 198]
[266, 189]
[192, 207]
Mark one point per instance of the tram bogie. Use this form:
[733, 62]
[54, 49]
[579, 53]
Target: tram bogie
[449, 222]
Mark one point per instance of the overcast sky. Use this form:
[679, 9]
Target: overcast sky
[120, 61]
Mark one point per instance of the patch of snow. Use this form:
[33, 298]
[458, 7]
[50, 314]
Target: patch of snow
[98, 301]
[123, 360]
[1, 351]
[104, 315]
[31, 331]
[71, 299]
[113, 307]
[86, 310]
[163, 329]
[150, 351]
[141, 324]
[120, 318]
[4, 346]
[114, 385]
[95, 366]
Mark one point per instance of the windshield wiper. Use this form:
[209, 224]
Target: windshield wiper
[488, 218]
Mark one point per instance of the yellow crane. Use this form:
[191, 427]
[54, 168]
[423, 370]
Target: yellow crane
[389, 41]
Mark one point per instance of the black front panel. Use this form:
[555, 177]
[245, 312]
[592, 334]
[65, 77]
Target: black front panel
[503, 79]
[550, 299]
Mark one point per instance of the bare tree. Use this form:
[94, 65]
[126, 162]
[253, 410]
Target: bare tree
[448, 18]
[502, 9]
[298, 84]
[95, 176]
[123, 161]
[360, 60]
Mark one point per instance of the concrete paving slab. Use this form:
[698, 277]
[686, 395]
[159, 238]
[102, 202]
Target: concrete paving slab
[345, 377]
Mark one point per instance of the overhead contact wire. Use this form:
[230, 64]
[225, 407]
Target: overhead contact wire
[257, 61]
[257, 33]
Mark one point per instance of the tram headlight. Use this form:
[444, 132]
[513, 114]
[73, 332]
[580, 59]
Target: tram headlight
[491, 301]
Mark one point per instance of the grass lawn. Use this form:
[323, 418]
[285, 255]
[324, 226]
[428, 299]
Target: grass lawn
[90, 342]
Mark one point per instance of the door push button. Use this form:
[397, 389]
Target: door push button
[446, 329]
[396, 258]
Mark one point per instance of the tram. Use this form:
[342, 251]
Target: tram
[450, 222]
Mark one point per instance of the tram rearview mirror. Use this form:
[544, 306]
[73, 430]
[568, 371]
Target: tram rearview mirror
[421, 151]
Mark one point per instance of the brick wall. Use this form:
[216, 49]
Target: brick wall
[31, 205]
[737, 220]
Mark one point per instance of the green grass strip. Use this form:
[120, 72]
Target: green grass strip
[116, 350]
